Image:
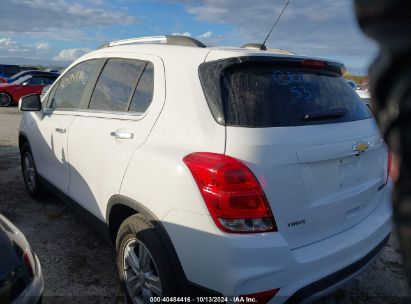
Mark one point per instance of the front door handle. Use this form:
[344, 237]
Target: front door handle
[122, 135]
[61, 130]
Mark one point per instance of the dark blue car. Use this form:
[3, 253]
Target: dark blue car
[8, 70]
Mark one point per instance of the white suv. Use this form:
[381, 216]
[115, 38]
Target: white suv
[218, 171]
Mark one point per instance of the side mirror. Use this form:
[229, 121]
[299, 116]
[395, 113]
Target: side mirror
[25, 83]
[30, 103]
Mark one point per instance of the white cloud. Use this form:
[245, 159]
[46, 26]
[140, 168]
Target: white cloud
[9, 46]
[206, 34]
[97, 2]
[59, 19]
[43, 46]
[71, 54]
[6, 43]
[187, 34]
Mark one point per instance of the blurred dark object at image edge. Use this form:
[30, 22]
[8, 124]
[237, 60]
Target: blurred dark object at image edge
[388, 22]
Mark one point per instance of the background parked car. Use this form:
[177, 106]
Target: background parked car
[21, 279]
[10, 93]
[364, 94]
[352, 84]
[29, 72]
[27, 68]
[51, 71]
[7, 70]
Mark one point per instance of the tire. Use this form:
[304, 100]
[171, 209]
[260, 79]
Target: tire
[135, 235]
[30, 175]
[5, 99]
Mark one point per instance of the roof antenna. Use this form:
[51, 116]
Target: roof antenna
[275, 23]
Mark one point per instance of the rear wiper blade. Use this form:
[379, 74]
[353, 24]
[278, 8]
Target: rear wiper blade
[326, 114]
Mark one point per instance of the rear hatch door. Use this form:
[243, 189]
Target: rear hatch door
[309, 140]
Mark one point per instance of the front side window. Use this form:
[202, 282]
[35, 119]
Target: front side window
[71, 86]
[116, 85]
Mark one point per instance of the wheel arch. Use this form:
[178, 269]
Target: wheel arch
[121, 207]
[23, 138]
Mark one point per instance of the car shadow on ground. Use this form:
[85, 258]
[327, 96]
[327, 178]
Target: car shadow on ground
[78, 265]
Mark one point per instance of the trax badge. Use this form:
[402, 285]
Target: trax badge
[360, 147]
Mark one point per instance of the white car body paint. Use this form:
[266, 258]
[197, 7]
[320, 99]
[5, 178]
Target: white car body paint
[308, 173]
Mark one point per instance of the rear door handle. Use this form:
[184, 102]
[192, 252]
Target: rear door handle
[61, 130]
[122, 134]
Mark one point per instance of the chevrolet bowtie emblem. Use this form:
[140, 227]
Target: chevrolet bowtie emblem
[360, 147]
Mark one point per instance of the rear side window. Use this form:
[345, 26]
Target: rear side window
[116, 85]
[144, 91]
[71, 86]
[270, 95]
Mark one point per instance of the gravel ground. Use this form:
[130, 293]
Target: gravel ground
[79, 267]
[9, 126]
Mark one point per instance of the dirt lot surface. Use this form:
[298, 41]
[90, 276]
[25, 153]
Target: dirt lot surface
[79, 267]
[9, 126]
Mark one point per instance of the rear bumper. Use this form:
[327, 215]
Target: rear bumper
[316, 290]
[234, 265]
[34, 291]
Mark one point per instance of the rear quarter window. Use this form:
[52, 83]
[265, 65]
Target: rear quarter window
[116, 85]
[125, 85]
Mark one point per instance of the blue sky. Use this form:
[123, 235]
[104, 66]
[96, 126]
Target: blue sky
[63, 30]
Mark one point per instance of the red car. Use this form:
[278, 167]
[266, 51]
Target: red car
[10, 93]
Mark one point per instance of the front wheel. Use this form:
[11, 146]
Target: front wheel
[142, 262]
[5, 99]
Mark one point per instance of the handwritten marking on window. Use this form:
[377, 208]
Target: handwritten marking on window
[299, 84]
[73, 78]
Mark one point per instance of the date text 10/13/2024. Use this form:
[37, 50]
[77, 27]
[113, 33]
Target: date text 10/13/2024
[240, 299]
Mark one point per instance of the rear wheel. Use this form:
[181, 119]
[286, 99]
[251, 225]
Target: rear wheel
[143, 266]
[5, 99]
[31, 178]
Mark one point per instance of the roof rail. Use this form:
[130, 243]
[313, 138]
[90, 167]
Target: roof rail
[167, 39]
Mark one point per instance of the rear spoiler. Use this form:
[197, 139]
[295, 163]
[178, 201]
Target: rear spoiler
[296, 61]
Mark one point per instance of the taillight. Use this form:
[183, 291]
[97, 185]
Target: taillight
[261, 297]
[231, 192]
[392, 167]
[29, 264]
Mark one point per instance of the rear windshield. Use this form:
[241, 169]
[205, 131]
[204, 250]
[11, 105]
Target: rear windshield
[266, 95]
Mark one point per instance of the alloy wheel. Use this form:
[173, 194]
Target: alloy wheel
[29, 171]
[5, 100]
[140, 272]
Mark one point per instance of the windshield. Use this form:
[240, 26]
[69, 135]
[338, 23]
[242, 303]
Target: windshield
[265, 95]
